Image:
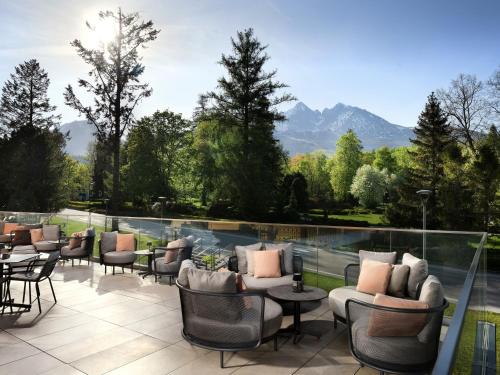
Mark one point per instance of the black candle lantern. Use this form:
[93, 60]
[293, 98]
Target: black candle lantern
[298, 284]
[149, 245]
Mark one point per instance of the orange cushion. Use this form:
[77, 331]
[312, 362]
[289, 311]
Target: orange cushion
[387, 323]
[36, 235]
[171, 256]
[374, 277]
[267, 263]
[9, 227]
[75, 240]
[125, 242]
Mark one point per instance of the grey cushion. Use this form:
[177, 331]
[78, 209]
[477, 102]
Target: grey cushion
[432, 293]
[263, 284]
[389, 257]
[45, 246]
[287, 255]
[339, 296]
[418, 273]
[221, 331]
[50, 232]
[75, 252]
[394, 350]
[33, 226]
[108, 241]
[399, 279]
[5, 238]
[241, 253]
[183, 278]
[119, 257]
[24, 249]
[250, 262]
[208, 281]
[161, 266]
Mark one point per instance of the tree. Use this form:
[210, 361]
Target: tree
[24, 99]
[347, 160]
[369, 186]
[158, 150]
[494, 91]
[76, 178]
[467, 108]
[432, 139]
[114, 82]
[294, 192]
[314, 167]
[384, 159]
[245, 108]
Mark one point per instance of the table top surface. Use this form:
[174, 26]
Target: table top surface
[143, 252]
[16, 258]
[286, 293]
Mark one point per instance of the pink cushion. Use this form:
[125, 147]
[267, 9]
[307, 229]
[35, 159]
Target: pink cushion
[75, 240]
[171, 256]
[387, 323]
[374, 277]
[267, 263]
[36, 235]
[125, 242]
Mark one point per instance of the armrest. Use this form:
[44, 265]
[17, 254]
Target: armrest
[351, 274]
[232, 263]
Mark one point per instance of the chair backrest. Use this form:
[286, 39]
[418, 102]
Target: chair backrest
[226, 321]
[88, 241]
[21, 237]
[49, 264]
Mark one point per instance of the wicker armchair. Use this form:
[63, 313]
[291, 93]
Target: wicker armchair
[171, 270]
[415, 353]
[228, 322]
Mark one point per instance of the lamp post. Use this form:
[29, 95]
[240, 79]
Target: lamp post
[424, 197]
[106, 201]
[162, 201]
[91, 185]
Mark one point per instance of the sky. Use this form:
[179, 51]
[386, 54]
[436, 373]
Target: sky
[385, 56]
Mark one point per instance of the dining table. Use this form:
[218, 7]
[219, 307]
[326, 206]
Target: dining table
[10, 260]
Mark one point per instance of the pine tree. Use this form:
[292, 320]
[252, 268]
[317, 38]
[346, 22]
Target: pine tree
[24, 99]
[245, 109]
[115, 71]
[432, 138]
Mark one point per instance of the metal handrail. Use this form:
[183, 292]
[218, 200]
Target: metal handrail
[446, 358]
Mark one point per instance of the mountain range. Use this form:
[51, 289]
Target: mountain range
[308, 130]
[305, 130]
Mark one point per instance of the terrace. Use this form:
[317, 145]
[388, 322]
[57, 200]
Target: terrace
[124, 323]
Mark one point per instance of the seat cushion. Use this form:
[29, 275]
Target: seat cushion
[273, 316]
[241, 253]
[374, 277]
[263, 284]
[399, 280]
[24, 249]
[402, 351]
[384, 257]
[5, 237]
[119, 257]
[432, 293]
[73, 252]
[418, 273]
[339, 296]
[108, 241]
[161, 266]
[45, 246]
[286, 253]
[185, 266]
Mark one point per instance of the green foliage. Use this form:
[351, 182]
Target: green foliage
[24, 99]
[114, 82]
[76, 178]
[314, 167]
[240, 116]
[369, 186]
[158, 153]
[403, 157]
[99, 157]
[384, 159]
[346, 162]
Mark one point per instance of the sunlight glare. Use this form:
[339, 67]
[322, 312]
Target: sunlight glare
[103, 32]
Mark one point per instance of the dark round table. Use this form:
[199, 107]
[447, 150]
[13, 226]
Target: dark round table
[286, 293]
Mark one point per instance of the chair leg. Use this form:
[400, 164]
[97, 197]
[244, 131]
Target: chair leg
[24, 291]
[113, 270]
[9, 297]
[79, 261]
[123, 271]
[105, 269]
[72, 262]
[156, 278]
[221, 359]
[52, 288]
[38, 297]
[334, 321]
[275, 343]
[132, 268]
[29, 289]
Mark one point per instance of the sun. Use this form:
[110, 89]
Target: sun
[101, 32]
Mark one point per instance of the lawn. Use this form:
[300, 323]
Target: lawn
[372, 218]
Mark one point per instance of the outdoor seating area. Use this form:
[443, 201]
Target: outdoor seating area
[258, 307]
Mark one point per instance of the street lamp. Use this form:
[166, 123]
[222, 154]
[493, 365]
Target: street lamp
[424, 197]
[106, 201]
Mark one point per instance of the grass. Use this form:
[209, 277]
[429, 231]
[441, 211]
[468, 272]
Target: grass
[322, 281]
[372, 218]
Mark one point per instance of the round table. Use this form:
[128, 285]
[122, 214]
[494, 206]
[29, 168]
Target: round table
[286, 293]
[149, 254]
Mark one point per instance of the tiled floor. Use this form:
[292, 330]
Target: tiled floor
[123, 324]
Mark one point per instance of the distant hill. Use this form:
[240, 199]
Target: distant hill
[80, 135]
[307, 130]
